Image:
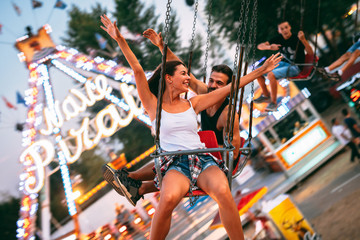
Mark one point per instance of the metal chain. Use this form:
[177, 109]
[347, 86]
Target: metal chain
[254, 29]
[208, 38]
[194, 25]
[167, 21]
[238, 36]
[245, 22]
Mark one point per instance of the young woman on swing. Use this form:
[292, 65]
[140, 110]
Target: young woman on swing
[179, 122]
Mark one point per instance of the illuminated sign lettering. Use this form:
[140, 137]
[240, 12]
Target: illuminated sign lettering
[87, 136]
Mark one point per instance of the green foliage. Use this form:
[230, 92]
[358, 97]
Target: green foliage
[82, 28]
[136, 139]
[9, 212]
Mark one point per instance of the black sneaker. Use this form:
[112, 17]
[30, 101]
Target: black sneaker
[129, 187]
[262, 99]
[271, 107]
[323, 72]
[335, 76]
[109, 176]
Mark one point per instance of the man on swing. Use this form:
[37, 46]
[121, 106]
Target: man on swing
[140, 182]
[290, 47]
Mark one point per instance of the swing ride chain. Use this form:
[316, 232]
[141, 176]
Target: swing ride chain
[245, 22]
[194, 25]
[167, 21]
[239, 35]
[236, 87]
[237, 50]
[208, 38]
[253, 29]
[161, 82]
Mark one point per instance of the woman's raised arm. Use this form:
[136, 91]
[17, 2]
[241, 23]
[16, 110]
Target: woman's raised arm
[147, 98]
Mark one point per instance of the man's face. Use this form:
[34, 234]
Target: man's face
[217, 80]
[285, 30]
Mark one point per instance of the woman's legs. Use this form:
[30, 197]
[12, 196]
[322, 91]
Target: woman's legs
[339, 61]
[174, 187]
[145, 173]
[214, 182]
[351, 60]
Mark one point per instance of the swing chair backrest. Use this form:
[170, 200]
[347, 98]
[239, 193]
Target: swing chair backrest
[209, 139]
[307, 69]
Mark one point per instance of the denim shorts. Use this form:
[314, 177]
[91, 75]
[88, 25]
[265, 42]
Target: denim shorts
[354, 47]
[283, 70]
[181, 164]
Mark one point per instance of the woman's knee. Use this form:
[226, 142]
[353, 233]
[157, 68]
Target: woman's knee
[169, 200]
[221, 192]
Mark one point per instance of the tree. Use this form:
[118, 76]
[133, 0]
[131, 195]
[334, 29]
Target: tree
[9, 212]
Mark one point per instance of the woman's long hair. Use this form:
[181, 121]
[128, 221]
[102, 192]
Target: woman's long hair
[153, 81]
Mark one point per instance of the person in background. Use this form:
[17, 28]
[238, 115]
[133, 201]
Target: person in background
[349, 57]
[351, 123]
[343, 134]
[292, 49]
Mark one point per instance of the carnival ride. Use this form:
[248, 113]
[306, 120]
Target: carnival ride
[98, 77]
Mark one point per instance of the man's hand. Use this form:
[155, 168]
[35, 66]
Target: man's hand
[110, 28]
[155, 38]
[274, 47]
[272, 62]
[301, 35]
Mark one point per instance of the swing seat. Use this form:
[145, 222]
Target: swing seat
[208, 137]
[350, 72]
[308, 70]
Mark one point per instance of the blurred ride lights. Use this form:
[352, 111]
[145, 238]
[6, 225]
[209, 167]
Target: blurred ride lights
[151, 211]
[137, 220]
[107, 237]
[122, 229]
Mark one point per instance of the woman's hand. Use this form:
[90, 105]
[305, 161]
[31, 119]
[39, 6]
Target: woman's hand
[155, 38]
[272, 62]
[110, 28]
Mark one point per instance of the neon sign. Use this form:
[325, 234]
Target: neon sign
[71, 107]
[355, 95]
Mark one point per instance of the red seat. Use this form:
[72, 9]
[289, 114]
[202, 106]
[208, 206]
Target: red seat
[307, 69]
[209, 138]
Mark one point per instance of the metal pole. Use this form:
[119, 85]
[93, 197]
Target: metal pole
[45, 207]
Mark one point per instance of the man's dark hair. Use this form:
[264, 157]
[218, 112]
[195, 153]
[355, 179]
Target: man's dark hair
[283, 21]
[344, 112]
[222, 68]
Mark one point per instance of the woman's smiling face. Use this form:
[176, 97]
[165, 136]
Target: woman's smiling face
[180, 80]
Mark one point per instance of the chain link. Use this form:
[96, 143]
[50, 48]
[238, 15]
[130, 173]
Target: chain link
[208, 38]
[194, 25]
[167, 21]
[239, 35]
[254, 30]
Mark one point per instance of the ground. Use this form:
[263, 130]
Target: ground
[340, 220]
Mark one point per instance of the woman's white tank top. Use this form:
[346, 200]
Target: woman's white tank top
[178, 131]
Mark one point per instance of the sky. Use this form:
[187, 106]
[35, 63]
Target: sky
[14, 74]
